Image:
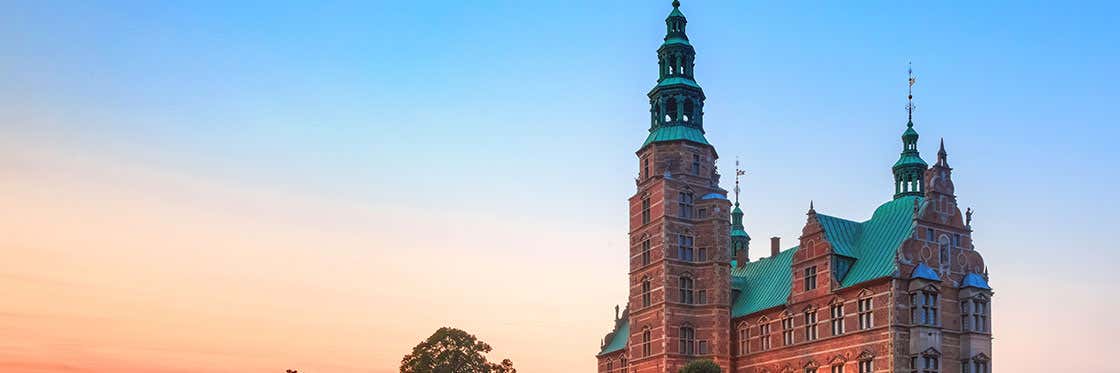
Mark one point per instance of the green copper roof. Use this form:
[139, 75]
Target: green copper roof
[676, 13]
[673, 133]
[676, 40]
[618, 341]
[677, 80]
[873, 244]
[912, 159]
[739, 233]
[762, 284]
[910, 132]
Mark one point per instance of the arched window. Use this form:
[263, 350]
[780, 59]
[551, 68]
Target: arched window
[689, 107]
[645, 292]
[687, 340]
[686, 289]
[645, 342]
[943, 244]
[671, 112]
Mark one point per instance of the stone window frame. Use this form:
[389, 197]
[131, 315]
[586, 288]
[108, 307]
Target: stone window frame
[686, 284]
[647, 338]
[647, 290]
[920, 306]
[812, 331]
[836, 321]
[743, 331]
[764, 341]
[810, 278]
[865, 309]
[866, 362]
[788, 328]
[686, 339]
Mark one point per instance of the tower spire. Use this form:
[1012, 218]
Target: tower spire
[677, 101]
[738, 172]
[740, 240]
[910, 169]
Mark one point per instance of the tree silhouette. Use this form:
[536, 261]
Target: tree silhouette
[451, 350]
[701, 366]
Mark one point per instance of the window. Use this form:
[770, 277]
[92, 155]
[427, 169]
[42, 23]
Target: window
[865, 316]
[787, 331]
[930, 364]
[645, 342]
[645, 210]
[695, 164]
[865, 366]
[837, 313]
[684, 248]
[702, 347]
[688, 340]
[966, 310]
[744, 340]
[980, 367]
[685, 205]
[610, 366]
[838, 368]
[645, 292]
[810, 278]
[811, 325]
[929, 234]
[764, 332]
[702, 254]
[645, 252]
[810, 370]
[686, 290]
[645, 167]
[701, 297]
[980, 315]
[957, 240]
[702, 213]
[964, 366]
[923, 308]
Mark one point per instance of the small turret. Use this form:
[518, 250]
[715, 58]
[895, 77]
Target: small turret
[910, 169]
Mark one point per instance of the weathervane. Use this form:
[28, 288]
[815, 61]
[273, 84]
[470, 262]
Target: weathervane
[910, 92]
[738, 172]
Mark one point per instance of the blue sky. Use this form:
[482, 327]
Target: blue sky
[533, 110]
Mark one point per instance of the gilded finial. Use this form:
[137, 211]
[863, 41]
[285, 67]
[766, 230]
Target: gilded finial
[910, 94]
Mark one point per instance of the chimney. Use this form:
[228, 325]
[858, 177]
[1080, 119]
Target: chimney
[775, 246]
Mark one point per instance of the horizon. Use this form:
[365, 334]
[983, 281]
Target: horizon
[259, 187]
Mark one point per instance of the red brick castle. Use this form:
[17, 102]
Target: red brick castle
[903, 291]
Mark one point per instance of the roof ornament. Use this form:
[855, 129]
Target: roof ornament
[968, 217]
[738, 172]
[942, 155]
[616, 312]
[812, 210]
[910, 94]
[676, 3]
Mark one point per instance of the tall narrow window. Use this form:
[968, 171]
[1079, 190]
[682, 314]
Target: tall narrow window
[744, 340]
[810, 370]
[645, 252]
[645, 168]
[610, 366]
[702, 347]
[701, 296]
[865, 315]
[929, 234]
[764, 336]
[865, 366]
[839, 368]
[688, 340]
[957, 240]
[837, 313]
[964, 366]
[695, 164]
[685, 205]
[645, 292]
[787, 331]
[684, 248]
[981, 367]
[686, 290]
[702, 255]
[645, 210]
[811, 325]
[645, 342]
[810, 278]
[924, 308]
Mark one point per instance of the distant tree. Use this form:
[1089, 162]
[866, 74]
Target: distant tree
[290, 371]
[451, 350]
[701, 366]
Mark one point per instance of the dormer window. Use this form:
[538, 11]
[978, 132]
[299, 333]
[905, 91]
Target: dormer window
[810, 278]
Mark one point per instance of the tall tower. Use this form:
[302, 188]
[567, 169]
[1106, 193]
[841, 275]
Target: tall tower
[740, 240]
[909, 171]
[680, 295]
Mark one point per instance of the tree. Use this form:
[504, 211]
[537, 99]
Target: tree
[451, 350]
[701, 366]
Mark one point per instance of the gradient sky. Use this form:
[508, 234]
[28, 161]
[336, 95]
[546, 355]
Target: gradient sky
[253, 187]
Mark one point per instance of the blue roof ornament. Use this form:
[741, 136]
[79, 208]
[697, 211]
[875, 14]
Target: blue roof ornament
[976, 281]
[923, 271]
[714, 196]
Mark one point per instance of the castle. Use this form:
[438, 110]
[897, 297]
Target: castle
[904, 291]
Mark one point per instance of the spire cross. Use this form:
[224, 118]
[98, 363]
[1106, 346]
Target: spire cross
[910, 92]
[738, 172]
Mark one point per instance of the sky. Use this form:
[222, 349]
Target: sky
[259, 186]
